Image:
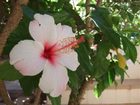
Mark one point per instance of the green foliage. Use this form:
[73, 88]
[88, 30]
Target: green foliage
[128, 15]
[8, 72]
[100, 63]
[109, 21]
[29, 83]
[115, 20]
[55, 100]
[108, 78]
[62, 10]
[102, 19]
[28, 12]
[83, 56]
[119, 72]
[20, 33]
[73, 79]
[129, 49]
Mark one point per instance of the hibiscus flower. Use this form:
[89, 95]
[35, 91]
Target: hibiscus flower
[51, 51]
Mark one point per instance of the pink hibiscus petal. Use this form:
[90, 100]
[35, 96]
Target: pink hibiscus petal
[43, 29]
[69, 60]
[54, 79]
[64, 31]
[25, 56]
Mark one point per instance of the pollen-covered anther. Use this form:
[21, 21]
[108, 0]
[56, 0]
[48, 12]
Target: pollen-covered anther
[76, 46]
[68, 44]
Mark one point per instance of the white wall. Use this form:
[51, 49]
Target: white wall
[134, 69]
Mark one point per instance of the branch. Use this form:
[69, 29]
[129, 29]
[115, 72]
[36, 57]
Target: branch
[37, 96]
[4, 93]
[76, 96]
[98, 3]
[88, 23]
[11, 24]
[83, 88]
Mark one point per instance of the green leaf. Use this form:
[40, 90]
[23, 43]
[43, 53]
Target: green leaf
[101, 86]
[123, 14]
[81, 73]
[8, 72]
[27, 11]
[119, 72]
[98, 89]
[73, 79]
[69, 9]
[103, 49]
[105, 81]
[100, 67]
[130, 16]
[29, 83]
[20, 33]
[129, 49]
[116, 20]
[97, 38]
[64, 18]
[111, 77]
[55, 100]
[102, 19]
[100, 63]
[135, 6]
[83, 57]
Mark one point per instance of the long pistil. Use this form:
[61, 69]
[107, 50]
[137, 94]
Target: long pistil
[72, 44]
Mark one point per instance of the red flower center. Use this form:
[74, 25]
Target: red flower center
[64, 46]
[49, 52]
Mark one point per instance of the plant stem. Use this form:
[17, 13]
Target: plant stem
[73, 99]
[88, 23]
[4, 94]
[37, 96]
[98, 2]
[77, 95]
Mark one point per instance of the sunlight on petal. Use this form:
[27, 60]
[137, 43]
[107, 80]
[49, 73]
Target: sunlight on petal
[25, 56]
[43, 29]
[69, 60]
[54, 80]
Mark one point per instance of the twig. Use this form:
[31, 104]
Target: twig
[76, 96]
[11, 24]
[37, 96]
[88, 23]
[88, 29]
[98, 2]
[4, 94]
[83, 88]
[79, 96]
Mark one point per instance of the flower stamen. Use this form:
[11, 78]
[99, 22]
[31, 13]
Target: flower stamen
[70, 43]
